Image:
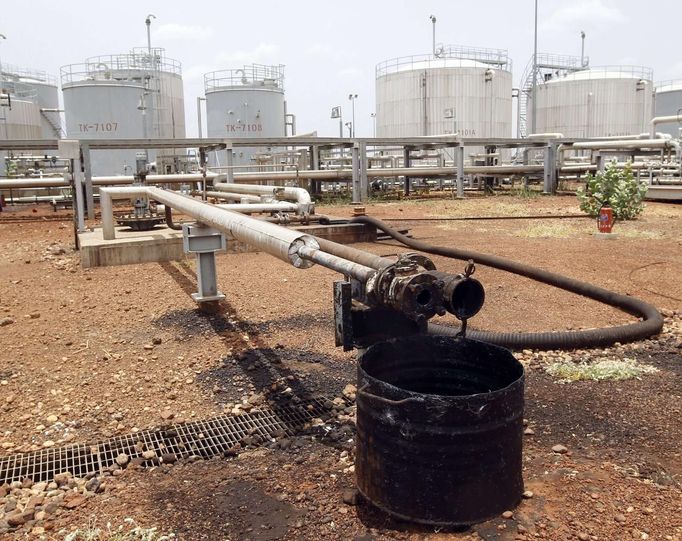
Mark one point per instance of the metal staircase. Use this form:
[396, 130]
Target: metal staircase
[56, 126]
[548, 67]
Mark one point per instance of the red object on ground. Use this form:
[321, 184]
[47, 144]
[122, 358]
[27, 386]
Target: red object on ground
[605, 219]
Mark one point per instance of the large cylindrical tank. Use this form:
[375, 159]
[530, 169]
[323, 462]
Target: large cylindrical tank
[463, 91]
[129, 96]
[246, 102]
[41, 88]
[603, 101]
[668, 102]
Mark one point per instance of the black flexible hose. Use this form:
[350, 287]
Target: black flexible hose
[651, 324]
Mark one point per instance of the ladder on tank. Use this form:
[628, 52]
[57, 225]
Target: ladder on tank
[548, 67]
[56, 127]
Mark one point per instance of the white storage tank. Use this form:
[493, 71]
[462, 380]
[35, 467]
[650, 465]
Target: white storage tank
[607, 101]
[668, 102]
[129, 96]
[246, 102]
[41, 88]
[466, 91]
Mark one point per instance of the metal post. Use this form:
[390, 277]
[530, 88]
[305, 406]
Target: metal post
[459, 159]
[433, 22]
[355, 166]
[406, 163]
[230, 164]
[87, 166]
[364, 185]
[202, 168]
[199, 100]
[78, 188]
[535, 72]
[315, 164]
[205, 242]
[548, 186]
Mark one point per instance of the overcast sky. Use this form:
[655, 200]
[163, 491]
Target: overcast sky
[331, 48]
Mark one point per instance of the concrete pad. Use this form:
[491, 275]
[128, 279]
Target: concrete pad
[163, 244]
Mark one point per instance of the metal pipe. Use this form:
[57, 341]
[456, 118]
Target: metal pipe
[353, 254]
[277, 241]
[330, 261]
[255, 208]
[104, 181]
[241, 197]
[664, 120]
[299, 195]
[624, 143]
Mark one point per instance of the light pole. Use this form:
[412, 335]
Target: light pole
[350, 127]
[374, 124]
[535, 72]
[433, 23]
[2, 36]
[352, 98]
[148, 22]
[199, 100]
[582, 49]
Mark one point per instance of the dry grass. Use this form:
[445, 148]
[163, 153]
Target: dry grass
[130, 532]
[600, 370]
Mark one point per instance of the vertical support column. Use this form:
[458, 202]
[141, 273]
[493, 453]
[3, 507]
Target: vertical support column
[78, 190]
[315, 185]
[87, 166]
[70, 149]
[549, 177]
[355, 167]
[406, 163]
[202, 168]
[364, 185]
[230, 164]
[205, 242]
[459, 160]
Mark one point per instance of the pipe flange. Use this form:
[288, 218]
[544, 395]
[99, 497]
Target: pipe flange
[295, 259]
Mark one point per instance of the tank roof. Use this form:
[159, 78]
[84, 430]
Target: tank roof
[121, 66]
[26, 75]
[668, 86]
[448, 56]
[605, 72]
[253, 76]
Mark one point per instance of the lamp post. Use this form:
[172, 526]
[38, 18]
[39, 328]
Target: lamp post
[535, 71]
[433, 23]
[582, 49]
[374, 124]
[350, 127]
[352, 98]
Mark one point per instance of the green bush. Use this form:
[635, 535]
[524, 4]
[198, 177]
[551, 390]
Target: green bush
[616, 186]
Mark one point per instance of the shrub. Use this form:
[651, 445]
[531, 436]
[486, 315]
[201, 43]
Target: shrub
[616, 186]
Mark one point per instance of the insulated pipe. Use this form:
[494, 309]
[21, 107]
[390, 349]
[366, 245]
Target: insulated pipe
[622, 143]
[102, 181]
[254, 208]
[670, 119]
[652, 320]
[231, 196]
[299, 195]
[277, 241]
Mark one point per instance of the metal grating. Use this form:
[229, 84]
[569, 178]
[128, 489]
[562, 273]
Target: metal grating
[205, 438]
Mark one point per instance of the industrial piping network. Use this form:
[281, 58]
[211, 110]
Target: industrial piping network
[412, 286]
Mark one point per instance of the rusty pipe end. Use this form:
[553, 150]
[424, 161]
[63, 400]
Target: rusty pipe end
[463, 297]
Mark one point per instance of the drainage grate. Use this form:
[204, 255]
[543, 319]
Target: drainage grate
[205, 438]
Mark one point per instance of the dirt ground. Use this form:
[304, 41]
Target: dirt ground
[89, 354]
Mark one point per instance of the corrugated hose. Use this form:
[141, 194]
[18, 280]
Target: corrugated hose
[651, 320]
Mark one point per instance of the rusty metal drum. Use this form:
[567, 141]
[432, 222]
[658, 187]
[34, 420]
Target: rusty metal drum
[439, 429]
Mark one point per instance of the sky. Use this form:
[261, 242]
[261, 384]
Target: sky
[331, 49]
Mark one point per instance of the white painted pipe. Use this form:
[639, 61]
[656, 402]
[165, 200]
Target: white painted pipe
[624, 143]
[670, 119]
[277, 241]
[255, 208]
[555, 135]
[299, 195]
